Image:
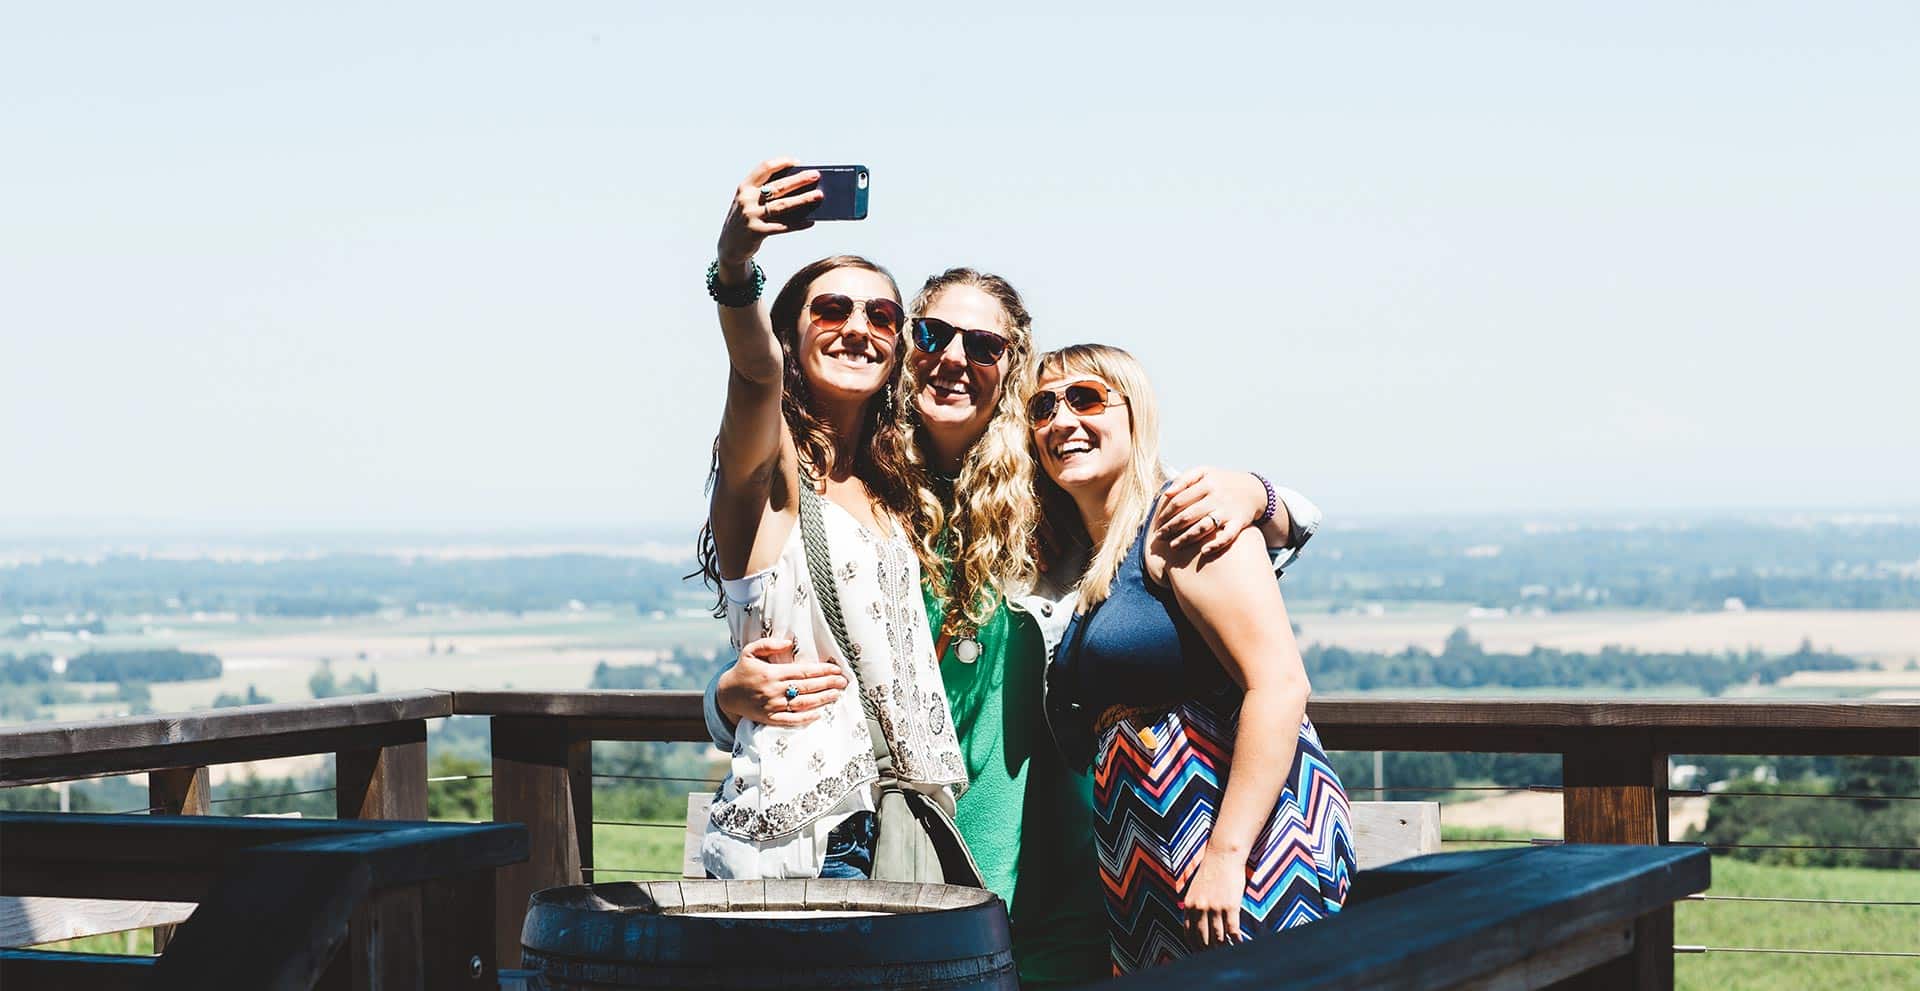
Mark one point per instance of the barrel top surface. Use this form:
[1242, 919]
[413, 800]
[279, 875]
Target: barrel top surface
[761, 899]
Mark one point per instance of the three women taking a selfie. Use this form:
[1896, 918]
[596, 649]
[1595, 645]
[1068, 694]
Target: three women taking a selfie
[912, 511]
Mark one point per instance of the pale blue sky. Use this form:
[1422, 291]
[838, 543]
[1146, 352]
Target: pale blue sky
[440, 263]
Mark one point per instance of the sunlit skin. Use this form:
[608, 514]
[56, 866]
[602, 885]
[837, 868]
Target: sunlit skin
[847, 365]
[956, 397]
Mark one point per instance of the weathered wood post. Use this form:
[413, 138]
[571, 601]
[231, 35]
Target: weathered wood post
[385, 939]
[177, 791]
[1614, 790]
[542, 777]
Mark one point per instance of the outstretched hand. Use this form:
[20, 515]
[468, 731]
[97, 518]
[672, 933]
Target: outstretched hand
[755, 688]
[760, 203]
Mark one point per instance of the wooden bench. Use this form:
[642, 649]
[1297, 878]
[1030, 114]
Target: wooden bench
[275, 897]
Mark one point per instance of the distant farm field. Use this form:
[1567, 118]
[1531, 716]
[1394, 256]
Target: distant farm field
[554, 651]
[558, 650]
[1890, 637]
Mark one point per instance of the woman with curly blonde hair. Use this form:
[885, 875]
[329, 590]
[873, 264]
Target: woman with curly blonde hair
[999, 605]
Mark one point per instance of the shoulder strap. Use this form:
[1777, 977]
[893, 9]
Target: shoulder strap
[813, 538]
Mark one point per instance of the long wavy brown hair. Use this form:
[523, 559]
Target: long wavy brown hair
[878, 462]
[984, 519]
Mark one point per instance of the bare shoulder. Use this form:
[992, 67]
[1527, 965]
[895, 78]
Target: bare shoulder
[1185, 567]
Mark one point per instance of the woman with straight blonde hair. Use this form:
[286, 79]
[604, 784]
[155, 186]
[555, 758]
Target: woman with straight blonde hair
[1217, 814]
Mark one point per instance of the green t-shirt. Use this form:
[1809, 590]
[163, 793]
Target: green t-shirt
[1027, 819]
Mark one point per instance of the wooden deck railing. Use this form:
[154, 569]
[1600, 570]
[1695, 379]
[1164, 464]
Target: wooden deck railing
[1614, 761]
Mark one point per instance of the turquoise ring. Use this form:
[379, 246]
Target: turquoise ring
[792, 693]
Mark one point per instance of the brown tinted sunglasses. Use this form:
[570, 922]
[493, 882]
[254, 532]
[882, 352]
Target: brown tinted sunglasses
[1088, 397]
[832, 310]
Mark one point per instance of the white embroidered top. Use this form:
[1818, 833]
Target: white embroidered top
[790, 786]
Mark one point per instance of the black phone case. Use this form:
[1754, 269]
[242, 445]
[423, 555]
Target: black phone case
[846, 189]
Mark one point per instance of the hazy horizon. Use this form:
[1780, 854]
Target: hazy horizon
[439, 265]
[524, 531]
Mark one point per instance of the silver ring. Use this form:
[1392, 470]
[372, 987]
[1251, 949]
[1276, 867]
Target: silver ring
[793, 692]
[766, 193]
[1212, 522]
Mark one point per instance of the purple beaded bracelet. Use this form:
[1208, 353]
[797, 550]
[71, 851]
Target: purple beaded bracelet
[1273, 500]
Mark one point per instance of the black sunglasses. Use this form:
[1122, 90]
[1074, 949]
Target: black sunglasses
[832, 310]
[932, 335]
[1086, 398]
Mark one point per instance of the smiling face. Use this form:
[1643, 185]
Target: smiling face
[1083, 450]
[956, 397]
[853, 361]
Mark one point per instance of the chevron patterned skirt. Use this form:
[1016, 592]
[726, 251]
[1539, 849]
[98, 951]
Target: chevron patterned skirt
[1158, 777]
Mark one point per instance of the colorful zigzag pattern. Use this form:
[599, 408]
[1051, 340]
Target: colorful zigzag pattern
[1158, 778]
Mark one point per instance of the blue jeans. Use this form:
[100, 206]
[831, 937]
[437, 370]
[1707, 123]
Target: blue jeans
[850, 848]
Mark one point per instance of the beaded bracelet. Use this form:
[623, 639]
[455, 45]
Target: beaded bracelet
[736, 296]
[1273, 500]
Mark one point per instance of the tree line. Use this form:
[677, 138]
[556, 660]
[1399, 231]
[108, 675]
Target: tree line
[1463, 663]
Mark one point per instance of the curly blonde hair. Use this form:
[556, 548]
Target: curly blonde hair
[1139, 483]
[986, 522]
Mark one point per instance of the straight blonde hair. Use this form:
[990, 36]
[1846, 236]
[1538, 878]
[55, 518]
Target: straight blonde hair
[1139, 484]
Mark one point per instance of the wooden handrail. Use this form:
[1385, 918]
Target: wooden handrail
[33, 754]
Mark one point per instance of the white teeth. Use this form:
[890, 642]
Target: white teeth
[1076, 447]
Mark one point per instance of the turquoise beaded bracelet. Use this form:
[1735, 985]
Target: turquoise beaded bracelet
[736, 296]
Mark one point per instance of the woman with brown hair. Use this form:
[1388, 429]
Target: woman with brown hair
[805, 456]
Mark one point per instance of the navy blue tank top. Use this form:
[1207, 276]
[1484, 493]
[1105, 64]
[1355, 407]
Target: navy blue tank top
[1136, 648]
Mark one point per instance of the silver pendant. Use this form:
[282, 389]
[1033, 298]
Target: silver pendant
[967, 651]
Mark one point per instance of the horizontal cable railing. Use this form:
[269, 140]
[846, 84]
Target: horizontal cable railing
[1796, 950]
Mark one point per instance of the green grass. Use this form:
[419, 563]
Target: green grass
[1799, 926]
[113, 943]
[646, 848]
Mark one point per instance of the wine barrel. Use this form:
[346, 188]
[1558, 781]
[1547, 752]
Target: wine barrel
[769, 934]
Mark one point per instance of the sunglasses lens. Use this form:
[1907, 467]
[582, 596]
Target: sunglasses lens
[931, 335]
[983, 348]
[1042, 406]
[884, 315]
[831, 309]
[1086, 399]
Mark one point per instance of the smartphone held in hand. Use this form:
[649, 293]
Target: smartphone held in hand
[845, 187]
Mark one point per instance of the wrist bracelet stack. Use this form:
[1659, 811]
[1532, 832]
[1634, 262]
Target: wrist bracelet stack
[736, 296]
[1273, 500]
